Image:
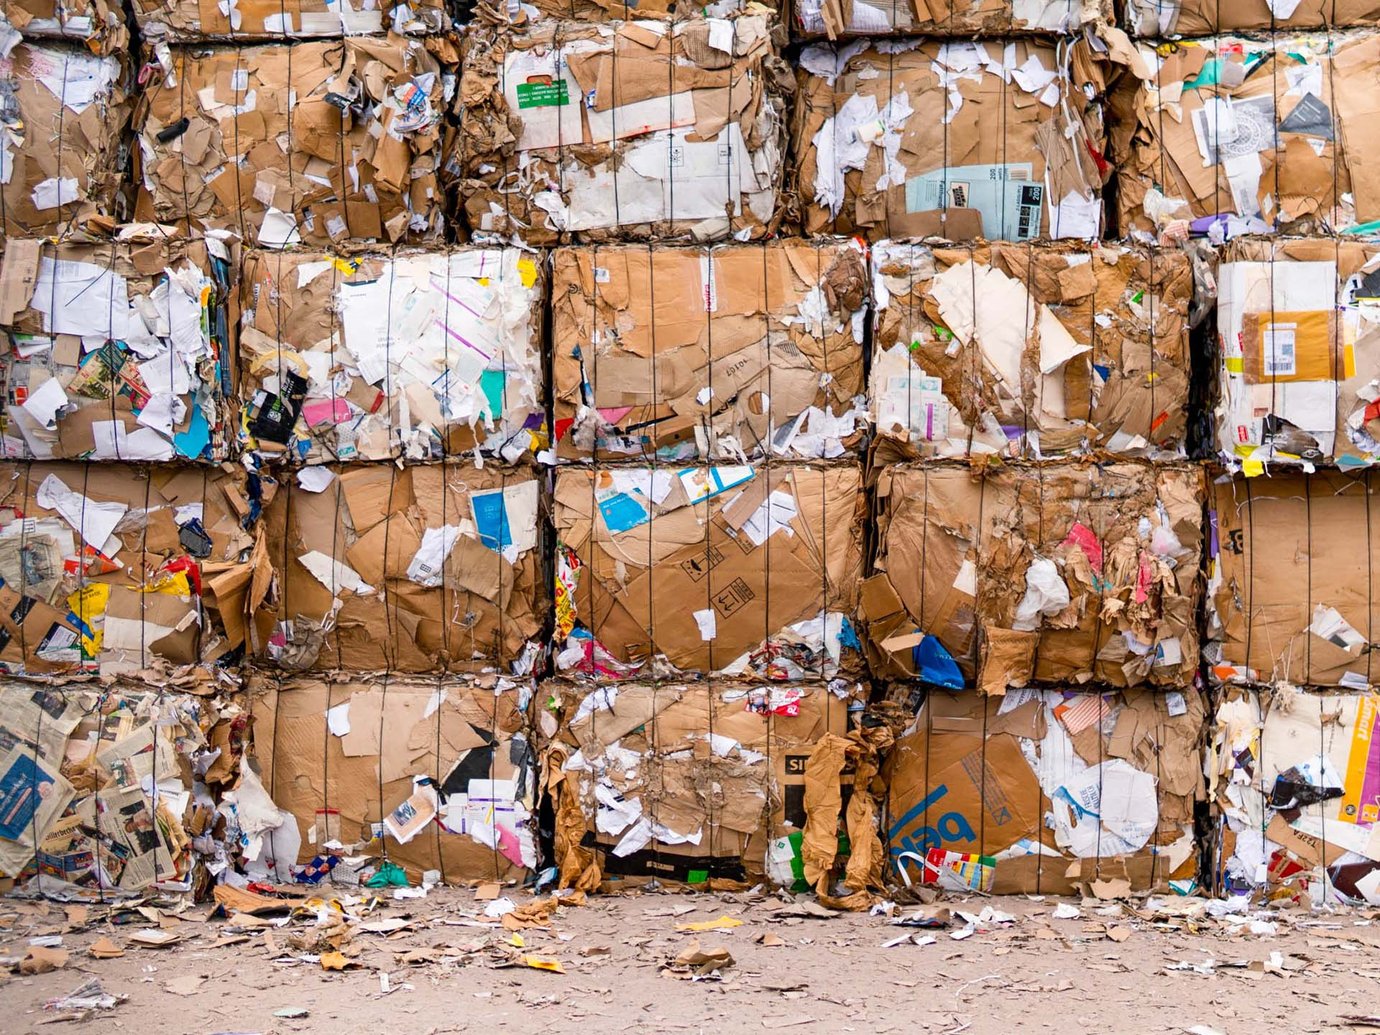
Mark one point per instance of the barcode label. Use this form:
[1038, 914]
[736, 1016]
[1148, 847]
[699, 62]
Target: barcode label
[1277, 342]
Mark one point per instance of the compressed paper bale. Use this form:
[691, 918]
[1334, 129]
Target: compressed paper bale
[187, 21]
[61, 156]
[120, 350]
[1030, 350]
[1264, 134]
[353, 157]
[1205, 17]
[710, 352]
[426, 568]
[688, 782]
[96, 24]
[1297, 350]
[757, 580]
[341, 756]
[630, 130]
[815, 19]
[1290, 586]
[90, 754]
[416, 355]
[1017, 153]
[1001, 577]
[980, 791]
[1291, 776]
[125, 567]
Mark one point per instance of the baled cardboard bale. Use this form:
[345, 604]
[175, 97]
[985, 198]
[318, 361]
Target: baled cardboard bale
[687, 782]
[98, 25]
[814, 19]
[1248, 135]
[119, 350]
[999, 140]
[190, 21]
[1027, 350]
[1298, 336]
[113, 568]
[411, 354]
[632, 130]
[709, 352]
[1290, 585]
[745, 570]
[62, 157]
[443, 766]
[1207, 17]
[425, 568]
[518, 17]
[1293, 778]
[308, 143]
[1068, 573]
[77, 765]
[1049, 791]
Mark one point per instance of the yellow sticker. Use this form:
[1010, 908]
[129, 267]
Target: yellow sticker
[346, 267]
[1236, 364]
[1252, 468]
[528, 269]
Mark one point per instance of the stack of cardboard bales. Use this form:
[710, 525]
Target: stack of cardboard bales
[1030, 610]
[709, 516]
[772, 435]
[1291, 618]
[1234, 137]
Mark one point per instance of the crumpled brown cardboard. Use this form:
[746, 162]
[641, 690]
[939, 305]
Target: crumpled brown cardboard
[99, 25]
[1020, 782]
[423, 568]
[631, 130]
[125, 567]
[1002, 140]
[90, 750]
[255, 21]
[683, 782]
[1029, 350]
[412, 354]
[1206, 17]
[1298, 339]
[1292, 779]
[1290, 588]
[1273, 132]
[354, 156]
[64, 122]
[1064, 572]
[341, 755]
[159, 386]
[859, 755]
[872, 18]
[749, 571]
[712, 353]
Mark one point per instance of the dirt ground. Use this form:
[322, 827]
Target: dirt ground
[449, 968]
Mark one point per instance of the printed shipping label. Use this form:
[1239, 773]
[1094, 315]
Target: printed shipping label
[1004, 195]
[1277, 345]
